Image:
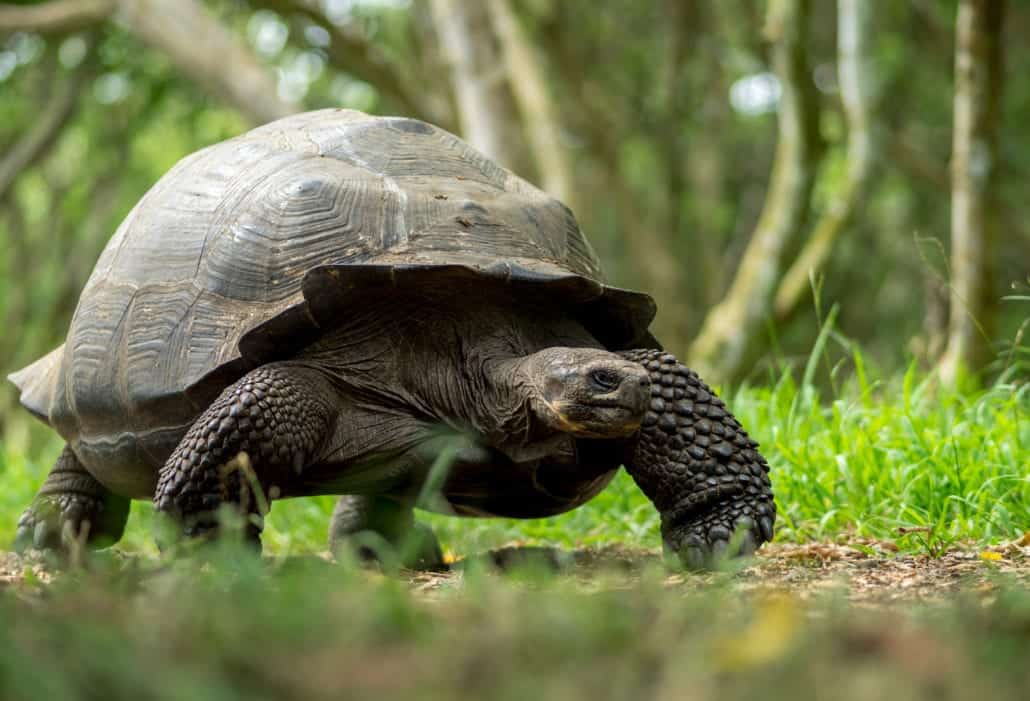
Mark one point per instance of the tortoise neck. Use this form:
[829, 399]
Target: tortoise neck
[459, 361]
[473, 377]
[470, 365]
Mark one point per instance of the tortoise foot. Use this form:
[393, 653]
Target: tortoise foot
[66, 521]
[382, 530]
[72, 510]
[52, 522]
[262, 431]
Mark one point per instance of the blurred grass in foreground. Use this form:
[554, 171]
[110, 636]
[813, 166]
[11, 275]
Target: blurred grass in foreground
[875, 457]
[241, 629]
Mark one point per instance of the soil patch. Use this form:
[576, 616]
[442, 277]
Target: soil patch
[867, 572]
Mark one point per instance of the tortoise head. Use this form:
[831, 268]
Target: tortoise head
[586, 392]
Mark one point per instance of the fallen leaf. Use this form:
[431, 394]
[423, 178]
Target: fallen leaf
[766, 639]
[991, 556]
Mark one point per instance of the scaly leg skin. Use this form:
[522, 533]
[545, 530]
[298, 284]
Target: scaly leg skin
[698, 466]
[360, 520]
[72, 507]
[262, 431]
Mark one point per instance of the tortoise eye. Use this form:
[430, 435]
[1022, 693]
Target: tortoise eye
[604, 380]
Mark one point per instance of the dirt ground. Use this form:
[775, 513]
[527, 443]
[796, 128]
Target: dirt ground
[866, 572]
[883, 576]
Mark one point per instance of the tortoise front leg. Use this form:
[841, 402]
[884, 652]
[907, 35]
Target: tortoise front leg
[260, 432]
[698, 466]
[72, 507]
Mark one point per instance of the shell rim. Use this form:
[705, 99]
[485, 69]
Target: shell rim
[617, 317]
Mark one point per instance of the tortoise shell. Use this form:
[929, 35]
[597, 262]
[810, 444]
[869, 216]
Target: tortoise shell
[244, 250]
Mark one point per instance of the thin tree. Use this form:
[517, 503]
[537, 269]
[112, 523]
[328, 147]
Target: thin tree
[857, 81]
[729, 330]
[974, 175]
[206, 50]
[197, 43]
[528, 79]
[478, 78]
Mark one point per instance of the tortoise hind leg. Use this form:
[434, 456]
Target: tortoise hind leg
[360, 520]
[72, 506]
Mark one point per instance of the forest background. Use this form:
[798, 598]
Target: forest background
[826, 199]
[828, 192]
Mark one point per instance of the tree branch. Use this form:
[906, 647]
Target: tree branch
[206, 51]
[59, 108]
[182, 29]
[352, 53]
[54, 17]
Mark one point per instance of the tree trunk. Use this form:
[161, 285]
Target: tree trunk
[207, 52]
[729, 330]
[857, 91]
[485, 106]
[591, 116]
[528, 82]
[974, 171]
[354, 53]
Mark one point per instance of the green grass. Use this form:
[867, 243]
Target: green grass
[876, 457]
[870, 458]
[238, 629]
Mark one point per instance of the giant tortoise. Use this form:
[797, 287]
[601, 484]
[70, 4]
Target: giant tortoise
[322, 305]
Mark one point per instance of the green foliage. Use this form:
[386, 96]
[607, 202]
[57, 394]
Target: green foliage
[901, 455]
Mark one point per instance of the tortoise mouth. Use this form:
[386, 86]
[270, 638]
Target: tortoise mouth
[597, 419]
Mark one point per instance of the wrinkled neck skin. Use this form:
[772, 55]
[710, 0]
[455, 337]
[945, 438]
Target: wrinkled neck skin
[456, 361]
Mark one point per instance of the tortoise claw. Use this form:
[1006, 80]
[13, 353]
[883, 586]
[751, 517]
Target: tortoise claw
[35, 530]
[23, 539]
[747, 544]
[766, 525]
